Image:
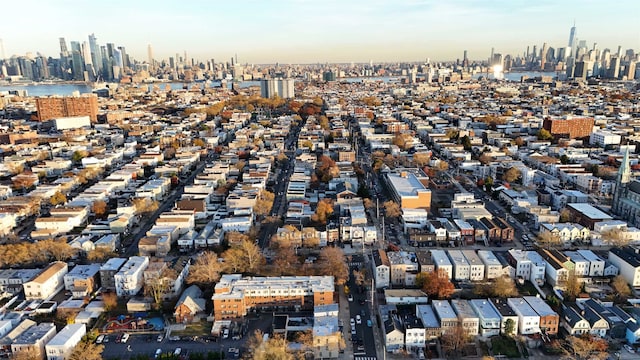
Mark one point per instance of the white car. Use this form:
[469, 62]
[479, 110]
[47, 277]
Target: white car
[225, 333]
[350, 297]
[629, 348]
[358, 320]
[353, 322]
[100, 339]
[125, 338]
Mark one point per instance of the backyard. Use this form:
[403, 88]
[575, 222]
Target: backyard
[504, 346]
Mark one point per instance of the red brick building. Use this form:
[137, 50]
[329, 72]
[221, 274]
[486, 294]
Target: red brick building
[573, 128]
[57, 107]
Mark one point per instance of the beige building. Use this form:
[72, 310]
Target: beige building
[49, 282]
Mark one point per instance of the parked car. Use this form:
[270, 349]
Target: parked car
[158, 352]
[177, 351]
[350, 297]
[160, 338]
[100, 339]
[125, 338]
[369, 323]
[225, 333]
[358, 320]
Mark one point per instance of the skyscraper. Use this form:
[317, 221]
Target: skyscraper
[150, 56]
[573, 40]
[96, 56]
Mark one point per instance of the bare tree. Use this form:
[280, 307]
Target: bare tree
[205, 270]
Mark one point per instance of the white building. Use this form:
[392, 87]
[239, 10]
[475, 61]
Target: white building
[47, 283]
[476, 266]
[34, 339]
[382, 270]
[61, 346]
[468, 318]
[603, 138]
[492, 266]
[442, 262]
[489, 318]
[129, 280]
[529, 265]
[403, 267]
[528, 319]
[627, 260]
[461, 267]
[596, 264]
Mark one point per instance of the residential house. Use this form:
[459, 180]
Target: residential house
[528, 319]
[381, 269]
[488, 317]
[567, 232]
[442, 262]
[82, 280]
[429, 321]
[596, 264]
[403, 268]
[627, 260]
[34, 339]
[598, 325]
[47, 283]
[414, 333]
[461, 267]
[327, 338]
[129, 280]
[405, 296]
[447, 316]
[425, 262]
[63, 343]
[189, 305]
[573, 321]
[613, 315]
[492, 266]
[549, 319]
[467, 316]
[108, 271]
[476, 266]
[393, 334]
[528, 265]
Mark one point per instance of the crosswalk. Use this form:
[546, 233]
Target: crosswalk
[356, 263]
[364, 358]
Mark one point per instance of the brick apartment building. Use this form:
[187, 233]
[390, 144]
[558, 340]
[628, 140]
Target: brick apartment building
[573, 128]
[234, 296]
[57, 107]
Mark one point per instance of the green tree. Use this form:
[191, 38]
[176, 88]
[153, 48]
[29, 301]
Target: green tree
[509, 327]
[544, 134]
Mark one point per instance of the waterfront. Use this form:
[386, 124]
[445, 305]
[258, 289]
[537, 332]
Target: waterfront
[68, 89]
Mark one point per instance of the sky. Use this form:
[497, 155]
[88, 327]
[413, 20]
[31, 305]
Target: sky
[318, 31]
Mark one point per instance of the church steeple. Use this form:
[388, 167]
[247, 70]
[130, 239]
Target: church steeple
[624, 172]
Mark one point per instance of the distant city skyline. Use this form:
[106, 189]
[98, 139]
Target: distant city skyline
[306, 31]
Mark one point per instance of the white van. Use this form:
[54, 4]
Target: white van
[125, 338]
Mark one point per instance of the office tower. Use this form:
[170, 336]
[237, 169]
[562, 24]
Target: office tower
[285, 88]
[543, 56]
[56, 107]
[150, 57]
[77, 64]
[172, 63]
[614, 68]
[96, 56]
[26, 67]
[63, 48]
[630, 70]
[573, 40]
[125, 57]
[465, 60]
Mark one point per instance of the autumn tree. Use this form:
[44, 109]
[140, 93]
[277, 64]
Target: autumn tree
[421, 159]
[272, 348]
[286, 262]
[145, 205]
[566, 215]
[435, 284]
[485, 159]
[358, 277]
[58, 199]
[326, 169]
[544, 134]
[100, 254]
[392, 209]
[264, 203]
[100, 208]
[572, 286]
[403, 140]
[323, 211]
[28, 353]
[502, 287]
[110, 300]
[615, 237]
[454, 339]
[78, 155]
[586, 347]
[58, 250]
[547, 239]
[323, 121]
[87, 350]
[511, 175]
[246, 257]
[332, 263]
[199, 142]
[205, 270]
[519, 141]
[620, 287]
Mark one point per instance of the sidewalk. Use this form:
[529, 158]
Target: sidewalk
[344, 318]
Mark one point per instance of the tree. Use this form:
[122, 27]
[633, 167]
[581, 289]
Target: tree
[100, 254]
[58, 199]
[484, 159]
[502, 287]
[511, 175]
[620, 287]
[615, 237]
[246, 257]
[144, 205]
[358, 277]
[435, 284]
[453, 134]
[323, 121]
[466, 142]
[587, 347]
[158, 285]
[58, 250]
[274, 348]
[421, 159]
[323, 211]
[205, 270]
[87, 350]
[286, 262]
[264, 203]
[78, 155]
[27, 354]
[403, 140]
[509, 327]
[566, 215]
[547, 239]
[453, 340]
[544, 134]
[100, 208]
[199, 142]
[572, 286]
[110, 300]
[327, 169]
[564, 159]
[332, 263]
[519, 141]
[392, 209]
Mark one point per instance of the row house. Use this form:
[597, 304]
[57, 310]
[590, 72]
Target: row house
[528, 265]
[47, 283]
[567, 232]
[467, 316]
[549, 319]
[488, 317]
[382, 269]
[403, 267]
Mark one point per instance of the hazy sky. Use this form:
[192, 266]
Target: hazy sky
[309, 31]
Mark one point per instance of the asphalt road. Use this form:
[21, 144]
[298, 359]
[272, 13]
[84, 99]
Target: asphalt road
[363, 333]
